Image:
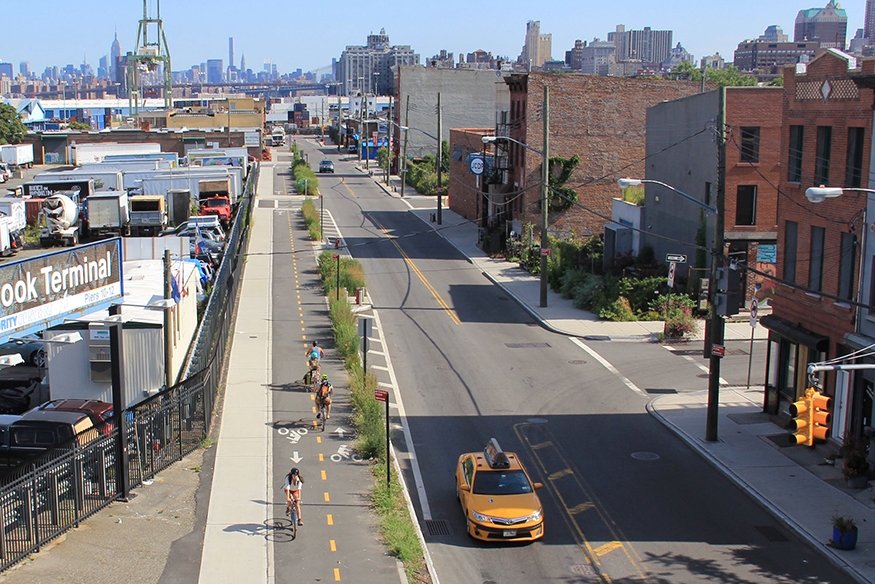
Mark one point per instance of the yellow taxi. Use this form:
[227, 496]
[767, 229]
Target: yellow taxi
[498, 497]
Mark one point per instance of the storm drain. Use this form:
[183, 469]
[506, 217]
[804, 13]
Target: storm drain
[527, 345]
[437, 527]
[771, 533]
[658, 390]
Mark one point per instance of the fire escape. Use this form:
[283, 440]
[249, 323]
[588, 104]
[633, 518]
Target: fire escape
[498, 209]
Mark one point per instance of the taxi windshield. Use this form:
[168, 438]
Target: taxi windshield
[505, 482]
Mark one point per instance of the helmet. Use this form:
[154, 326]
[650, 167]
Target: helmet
[294, 472]
[324, 377]
[315, 343]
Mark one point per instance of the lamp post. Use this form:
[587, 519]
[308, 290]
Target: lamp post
[545, 243]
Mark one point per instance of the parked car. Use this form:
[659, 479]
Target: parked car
[186, 229]
[38, 431]
[100, 412]
[33, 352]
[326, 166]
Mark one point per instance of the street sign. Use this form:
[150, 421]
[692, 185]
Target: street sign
[754, 309]
[545, 251]
[335, 256]
[718, 350]
[671, 270]
[676, 257]
[477, 165]
[381, 395]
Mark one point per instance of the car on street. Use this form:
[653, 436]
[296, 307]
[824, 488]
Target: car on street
[498, 497]
[326, 166]
[32, 351]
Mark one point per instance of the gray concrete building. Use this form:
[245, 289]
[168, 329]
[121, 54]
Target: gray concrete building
[596, 57]
[368, 69]
[765, 55]
[470, 98]
[651, 47]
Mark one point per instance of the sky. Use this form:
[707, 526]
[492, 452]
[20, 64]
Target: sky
[308, 36]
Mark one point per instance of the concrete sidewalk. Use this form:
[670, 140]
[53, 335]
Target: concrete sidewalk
[794, 484]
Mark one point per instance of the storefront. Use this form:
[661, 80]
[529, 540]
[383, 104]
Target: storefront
[791, 349]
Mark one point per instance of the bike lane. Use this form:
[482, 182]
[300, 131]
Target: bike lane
[339, 540]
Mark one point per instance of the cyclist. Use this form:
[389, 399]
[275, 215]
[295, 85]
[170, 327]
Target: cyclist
[315, 352]
[323, 396]
[292, 487]
[314, 355]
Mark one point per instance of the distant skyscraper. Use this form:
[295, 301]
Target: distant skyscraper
[651, 47]
[358, 65]
[774, 34]
[6, 69]
[230, 51]
[115, 52]
[215, 71]
[828, 25]
[243, 62]
[869, 27]
[538, 47]
[24, 69]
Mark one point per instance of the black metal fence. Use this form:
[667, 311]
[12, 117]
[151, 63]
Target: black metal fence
[57, 490]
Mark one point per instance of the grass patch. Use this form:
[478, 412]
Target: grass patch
[396, 525]
[311, 219]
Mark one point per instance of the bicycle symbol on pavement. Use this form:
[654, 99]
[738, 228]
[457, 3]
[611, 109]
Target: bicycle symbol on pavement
[293, 435]
[344, 452]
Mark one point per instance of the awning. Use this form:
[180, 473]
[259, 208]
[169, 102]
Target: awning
[796, 333]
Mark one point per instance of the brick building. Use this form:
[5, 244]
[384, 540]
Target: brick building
[466, 195]
[601, 119]
[826, 140]
[682, 152]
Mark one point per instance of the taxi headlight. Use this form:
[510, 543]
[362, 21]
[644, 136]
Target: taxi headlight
[480, 517]
[536, 516]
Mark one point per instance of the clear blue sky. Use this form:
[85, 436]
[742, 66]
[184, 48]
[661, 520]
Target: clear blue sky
[308, 35]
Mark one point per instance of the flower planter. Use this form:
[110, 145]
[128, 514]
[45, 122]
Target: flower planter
[858, 482]
[844, 540]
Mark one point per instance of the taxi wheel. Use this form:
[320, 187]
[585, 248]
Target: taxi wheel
[468, 525]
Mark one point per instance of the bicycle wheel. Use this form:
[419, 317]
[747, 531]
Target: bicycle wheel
[323, 413]
[294, 519]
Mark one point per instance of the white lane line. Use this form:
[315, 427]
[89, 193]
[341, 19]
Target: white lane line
[408, 437]
[697, 364]
[609, 367]
[378, 367]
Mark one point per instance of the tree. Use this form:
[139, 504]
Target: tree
[728, 77]
[12, 131]
[80, 126]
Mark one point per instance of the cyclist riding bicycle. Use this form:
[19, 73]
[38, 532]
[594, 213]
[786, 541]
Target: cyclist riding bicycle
[315, 352]
[292, 487]
[323, 396]
[314, 355]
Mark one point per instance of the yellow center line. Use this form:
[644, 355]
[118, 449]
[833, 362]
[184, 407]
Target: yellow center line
[607, 548]
[420, 275]
[337, 574]
[318, 438]
[333, 545]
[321, 457]
[324, 476]
[343, 182]
[330, 519]
[327, 498]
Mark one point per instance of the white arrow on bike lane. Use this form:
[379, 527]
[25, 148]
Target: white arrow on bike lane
[296, 459]
[340, 432]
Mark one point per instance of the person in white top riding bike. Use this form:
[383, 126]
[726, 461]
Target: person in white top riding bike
[292, 487]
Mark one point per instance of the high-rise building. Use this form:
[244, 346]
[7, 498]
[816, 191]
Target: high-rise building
[231, 52]
[827, 25]
[869, 20]
[538, 47]
[215, 71]
[116, 69]
[651, 47]
[6, 70]
[766, 56]
[368, 69]
[774, 34]
[24, 69]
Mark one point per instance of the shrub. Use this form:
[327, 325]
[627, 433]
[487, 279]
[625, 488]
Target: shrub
[677, 311]
[620, 311]
[352, 274]
[311, 219]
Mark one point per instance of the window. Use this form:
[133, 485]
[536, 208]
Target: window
[854, 168]
[821, 160]
[708, 193]
[846, 265]
[815, 271]
[794, 172]
[746, 205]
[791, 229]
[750, 144]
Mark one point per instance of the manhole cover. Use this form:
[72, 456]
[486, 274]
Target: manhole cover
[437, 526]
[577, 362]
[583, 570]
[645, 456]
[771, 533]
[537, 420]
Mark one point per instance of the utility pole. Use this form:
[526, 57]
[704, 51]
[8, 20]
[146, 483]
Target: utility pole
[404, 150]
[545, 175]
[362, 130]
[339, 115]
[389, 144]
[716, 320]
[440, 163]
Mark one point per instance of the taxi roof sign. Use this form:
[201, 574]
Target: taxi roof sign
[495, 457]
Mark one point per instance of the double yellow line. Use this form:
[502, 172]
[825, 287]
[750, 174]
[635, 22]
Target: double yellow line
[420, 275]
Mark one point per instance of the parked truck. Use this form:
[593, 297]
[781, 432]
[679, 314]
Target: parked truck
[190, 179]
[59, 219]
[214, 198]
[49, 185]
[277, 136]
[148, 215]
[17, 155]
[105, 179]
[98, 151]
[108, 214]
[13, 213]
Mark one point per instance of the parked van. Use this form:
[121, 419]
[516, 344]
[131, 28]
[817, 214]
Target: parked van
[40, 430]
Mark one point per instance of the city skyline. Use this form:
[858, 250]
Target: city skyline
[313, 42]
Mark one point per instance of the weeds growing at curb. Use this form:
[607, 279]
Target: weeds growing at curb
[311, 219]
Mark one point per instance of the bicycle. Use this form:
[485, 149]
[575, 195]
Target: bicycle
[322, 414]
[292, 514]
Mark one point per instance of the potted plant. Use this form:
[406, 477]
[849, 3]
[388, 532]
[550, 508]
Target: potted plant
[855, 452]
[844, 532]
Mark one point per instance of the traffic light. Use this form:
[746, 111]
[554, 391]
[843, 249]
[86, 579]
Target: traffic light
[811, 418]
[727, 296]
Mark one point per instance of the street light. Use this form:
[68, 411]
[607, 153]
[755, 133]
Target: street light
[625, 183]
[545, 163]
[820, 194]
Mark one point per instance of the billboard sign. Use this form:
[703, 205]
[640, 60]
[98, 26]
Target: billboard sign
[43, 291]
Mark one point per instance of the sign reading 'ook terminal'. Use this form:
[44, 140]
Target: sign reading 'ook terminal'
[43, 291]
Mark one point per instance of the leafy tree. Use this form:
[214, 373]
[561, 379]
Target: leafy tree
[684, 71]
[728, 77]
[80, 126]
[12, 131]
[777, 82]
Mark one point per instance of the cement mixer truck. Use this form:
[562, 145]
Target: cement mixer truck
[59, 219]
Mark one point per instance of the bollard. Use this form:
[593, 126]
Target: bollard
[359, 295]
[336, 243]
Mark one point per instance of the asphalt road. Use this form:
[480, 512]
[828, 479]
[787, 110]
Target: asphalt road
[624, 499]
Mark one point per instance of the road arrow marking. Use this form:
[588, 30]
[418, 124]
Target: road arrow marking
[296, 459]
[340, 432]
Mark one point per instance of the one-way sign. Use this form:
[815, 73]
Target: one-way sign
[676, 257]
